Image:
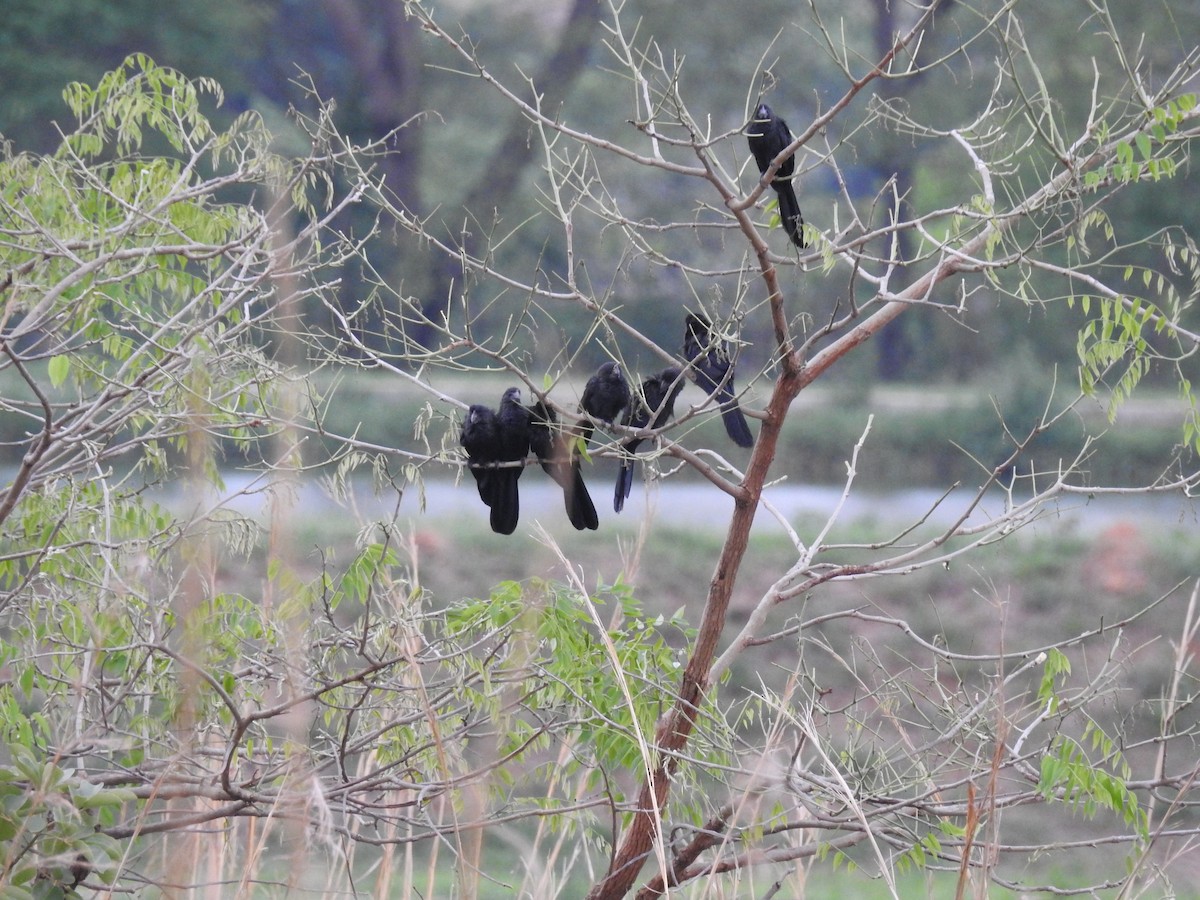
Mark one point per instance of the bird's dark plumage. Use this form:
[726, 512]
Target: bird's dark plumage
[710, 360]
[480, 437]
[81, 868]
[513, 443]
[768, 136]
[657, 400]
[493, 438]
[555, 450]
[606, 393]
[605, 397]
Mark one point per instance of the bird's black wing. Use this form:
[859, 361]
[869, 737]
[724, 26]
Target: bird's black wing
[657, 393]
[513, 421]
[606, 394]
[667, 387]
[768, 135]
[714, 370]
[480, 437]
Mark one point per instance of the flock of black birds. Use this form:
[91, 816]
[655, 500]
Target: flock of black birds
[497, 442]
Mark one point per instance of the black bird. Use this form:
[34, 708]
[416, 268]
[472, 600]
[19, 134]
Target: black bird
[480, 437]
[512, 446]
[657, 393]
[605, 395]
[768, 136]
[709, 357]
[555, 450]
[81, 868]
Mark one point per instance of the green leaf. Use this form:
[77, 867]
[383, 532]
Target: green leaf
[105, 797]
[59, 369]
[1144, 145]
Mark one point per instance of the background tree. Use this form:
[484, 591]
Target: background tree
[45, 45]
[177, 668]
[389, 64]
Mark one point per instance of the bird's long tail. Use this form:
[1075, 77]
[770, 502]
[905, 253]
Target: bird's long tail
[624, 484]
[580, 508]
[506, 503]
[789, 212]
[736, 425]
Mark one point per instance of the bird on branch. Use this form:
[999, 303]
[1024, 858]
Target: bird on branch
[769, 136]
[656, 400]
[710, 360]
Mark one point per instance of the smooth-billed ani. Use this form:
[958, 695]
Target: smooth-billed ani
[768, 136]
[606, 393]
[513, 443]
[555, 450]
[710, 360]
[605, 397]
[480, 437]
[656, 398]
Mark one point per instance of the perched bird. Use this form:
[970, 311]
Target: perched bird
[513, 446]
[491, 438]
[709, 358]
[605, 397]
[81, 868]
[554, 449]
[480, 437]
[768, 135]
[606, 393]
[657, 399]
[51, 880]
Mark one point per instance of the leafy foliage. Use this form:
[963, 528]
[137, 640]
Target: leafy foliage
[50, 825]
